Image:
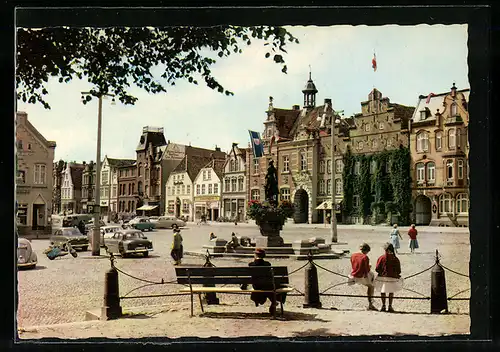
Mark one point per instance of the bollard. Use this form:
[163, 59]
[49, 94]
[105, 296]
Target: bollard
[311, 294]
[111, 308]
[210, 297]
[439, 300]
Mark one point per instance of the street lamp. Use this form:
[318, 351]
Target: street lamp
[335, 116]
[96, 249]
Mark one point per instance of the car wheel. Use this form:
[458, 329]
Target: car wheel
[145, 254]
[173, 226]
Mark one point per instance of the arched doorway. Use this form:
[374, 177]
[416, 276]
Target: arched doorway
[423, 213]
[301, 201]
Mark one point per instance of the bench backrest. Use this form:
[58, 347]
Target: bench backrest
[233, 275]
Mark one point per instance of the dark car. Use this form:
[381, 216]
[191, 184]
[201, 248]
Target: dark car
[71, 235]
[127, 242]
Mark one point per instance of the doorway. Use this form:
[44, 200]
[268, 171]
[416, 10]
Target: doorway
[301, 201]
[38, 217]
[423, 213]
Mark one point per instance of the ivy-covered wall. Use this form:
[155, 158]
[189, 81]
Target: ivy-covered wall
[386, 189]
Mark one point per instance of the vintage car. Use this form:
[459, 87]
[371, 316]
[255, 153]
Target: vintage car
[167, 222]
[90, 225]
[26, 257]
[127, 242]
[142, 224]
[72, 235]
[106, 232]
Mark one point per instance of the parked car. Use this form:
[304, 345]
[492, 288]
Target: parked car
[142, 224]
[153, 218]
[90, 225]
[166, 222]
[26, 257]
[72, 235]
[59, 221]
[106, 232]
[127, 242]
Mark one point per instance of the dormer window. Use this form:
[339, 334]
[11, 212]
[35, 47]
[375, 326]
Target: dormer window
[454, 109]
[423, 115]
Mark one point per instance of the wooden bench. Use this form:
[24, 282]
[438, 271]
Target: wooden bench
[211, 276]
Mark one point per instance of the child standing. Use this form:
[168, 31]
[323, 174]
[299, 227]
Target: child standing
[389, 279]
[177, 249]
[412, 233]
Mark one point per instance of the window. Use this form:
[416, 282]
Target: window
[113, 192]
[22, 213]
[209, 188]
[227, 185]
[203, 189]
[39, 177]
[286, 163]
[198, 188]
[445, 203]
[185, 207]
[169, 191]
[171, 205]
[422, 142]
[339, 166]
[460, 169]
[423, 115]
[462, 203]
[255, 165]
[373, 166]
[129, 188]
[360, 145]
[139, 171]
[439, 140]
[458, 137]
[380, 125]
[146, 191]
[216, 188]
[231, 165]
[357, 166]
[449, 169]
[321, 186]
[367, 127]
[188, 189]
[431, 172]
[285, 194]
[240, 184]
[19, 144]
[204, 175]
[454, 110]
[255, 194]
[329, 166]
[303, 161]
[329, 187]
[233, 185]
[355, 201]
[183, 189]
[209, 175]
[451, 139]
[389, 142]
[374, 143]
[21, 176]
[338, 186]
[420, 172]
[322, 167]
[105, 177]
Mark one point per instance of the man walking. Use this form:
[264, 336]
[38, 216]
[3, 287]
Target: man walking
[361, 274]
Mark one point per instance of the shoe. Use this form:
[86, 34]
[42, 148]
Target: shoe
[371, 307]
[390, 310]
[382, 309]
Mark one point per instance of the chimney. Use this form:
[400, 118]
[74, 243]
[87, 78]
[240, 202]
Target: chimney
[328, 101]
[217, 149]
[438, 118]
[296, 107]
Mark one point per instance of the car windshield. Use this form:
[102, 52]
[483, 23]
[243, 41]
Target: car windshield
[133, 236]
[72, 232]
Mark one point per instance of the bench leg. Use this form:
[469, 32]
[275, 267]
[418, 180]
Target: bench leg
[281, 304]
[201, 302]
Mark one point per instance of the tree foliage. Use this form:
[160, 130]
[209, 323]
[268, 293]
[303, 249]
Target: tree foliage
[114, 59]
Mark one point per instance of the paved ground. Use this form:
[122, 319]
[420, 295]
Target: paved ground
[61, 291]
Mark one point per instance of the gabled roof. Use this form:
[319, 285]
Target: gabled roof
[309, 120]
[436, 102]
[202, 152]
[120, 162]
[217, 165]
[285, 119]
[192, 164]
[402, 111]
[48, 144]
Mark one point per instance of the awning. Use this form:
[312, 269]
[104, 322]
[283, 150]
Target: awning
[327, 204]
[147, 207]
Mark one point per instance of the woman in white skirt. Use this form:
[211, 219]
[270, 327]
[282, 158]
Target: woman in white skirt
[395, 236]
[389, 278]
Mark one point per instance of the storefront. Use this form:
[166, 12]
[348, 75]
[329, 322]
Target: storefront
[206, 205]
[234, 208]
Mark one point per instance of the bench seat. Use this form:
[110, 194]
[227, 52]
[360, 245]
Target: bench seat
[232, 290]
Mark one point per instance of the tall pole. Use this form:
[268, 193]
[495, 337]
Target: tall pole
[96, 249]
[334, 210]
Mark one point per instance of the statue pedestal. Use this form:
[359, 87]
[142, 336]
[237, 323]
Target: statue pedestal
[270, 226]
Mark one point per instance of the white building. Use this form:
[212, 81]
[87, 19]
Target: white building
[207, 188]
[234, 186]
[109, 183]
[71, 188]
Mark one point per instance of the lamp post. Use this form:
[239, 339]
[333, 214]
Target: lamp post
[96, 249]
[334, 120]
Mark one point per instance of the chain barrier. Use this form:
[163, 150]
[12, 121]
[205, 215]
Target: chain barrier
[452, 298]
[453, 271]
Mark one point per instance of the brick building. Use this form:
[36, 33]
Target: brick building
[128, 198]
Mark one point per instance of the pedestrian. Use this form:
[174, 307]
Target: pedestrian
[389, 279]
[177, 249]
[412, 233]
[395, 236]
[212, 236]
[233, 243]
[361, 272]
[260, 298]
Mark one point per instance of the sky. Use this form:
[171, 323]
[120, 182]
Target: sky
[411, 60]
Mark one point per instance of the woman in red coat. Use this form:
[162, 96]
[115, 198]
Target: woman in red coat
[389, 279]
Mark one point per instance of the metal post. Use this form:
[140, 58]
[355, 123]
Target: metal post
[111, 308]
[210, 297]
[96, 249]
[311, 292]
[439, 301]
[332, 186]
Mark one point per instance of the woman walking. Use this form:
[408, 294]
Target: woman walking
[412, 233]
[395, 236]
[177, 249]
[389, 279]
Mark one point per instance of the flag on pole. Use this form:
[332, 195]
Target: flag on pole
[257, 146]
[374, 62]
[427, 101]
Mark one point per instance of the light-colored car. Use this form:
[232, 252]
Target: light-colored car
[167, 222]
[71, 235]
[130, 241]
[142, 223]
[26, 257]
[106, 232]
